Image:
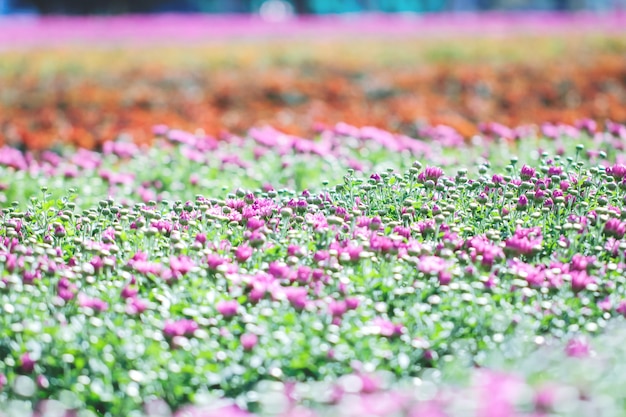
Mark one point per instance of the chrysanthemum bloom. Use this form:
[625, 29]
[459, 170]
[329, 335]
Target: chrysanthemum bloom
[617, 171]
[337, 308]
[614, 228]
[243, 253]
[577, 348]
[227, 308]
[182, 327]
[430, 174]
[248, 341]
[95, 304]
[297, 296]
[27, 364]
[526, 173]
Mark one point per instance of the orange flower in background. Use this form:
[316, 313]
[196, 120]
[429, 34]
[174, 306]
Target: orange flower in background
[89, 98]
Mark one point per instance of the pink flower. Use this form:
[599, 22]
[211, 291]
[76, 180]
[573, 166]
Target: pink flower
[614, 228]
[337, 308]
[243, 253]
[95, 304]
[136, 306]
[297, 296]
[387, 328]
[431, 264]
[577, 348]
[201, 238]
[527, 172]
[248, 341]
[181, 265]
[606, 305]
[27, 364]
[580, 280]
[228, 308]
[182, 327]
[129, 292]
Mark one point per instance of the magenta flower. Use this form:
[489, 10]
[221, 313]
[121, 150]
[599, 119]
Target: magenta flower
[224, 411]
[617, 171]
[614, 228]
[386, 327]
[577, 348]
[227, 308]
[136, 306]
[297, 296]
[129, 292]
[181, 265]
[255, 223]
[337, 308]
[214, 260]
[580, 280]
[526, 173]
[278, 270]
[352, 303]
[431, 264]
[182, 327]
[243, 253]
[430, 174]
[27, 364]
[95, 304]
[248, 341]
[201, 238]
[606, 305]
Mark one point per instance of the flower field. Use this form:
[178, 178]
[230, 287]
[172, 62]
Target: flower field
[508, 70]
[182, 262]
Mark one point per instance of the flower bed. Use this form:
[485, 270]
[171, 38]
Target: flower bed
[355, 270]
[404, 73]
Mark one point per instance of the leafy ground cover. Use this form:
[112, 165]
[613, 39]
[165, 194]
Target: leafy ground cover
[403, 72]
[355, 271]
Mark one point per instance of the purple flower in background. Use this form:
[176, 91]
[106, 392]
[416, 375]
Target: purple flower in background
[213, 261]
[386, 327]
[278, 269]
[614, 228]
[617, 171]
[522, 202]
[95, 304]
[430, 174]
[526, 173]
[431, 264]
[337, 308]
[577, 348]
[27, 364]
[255, 223]
[243, 253]
[201, 238]
[606, 305]
[136, 306]
[182, 327]
[248, 341]
[227, 308]
[580, 280]
[297, 296]
[212, 411]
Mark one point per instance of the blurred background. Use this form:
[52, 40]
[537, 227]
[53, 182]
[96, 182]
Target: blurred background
[82, 7]
[221, 67]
